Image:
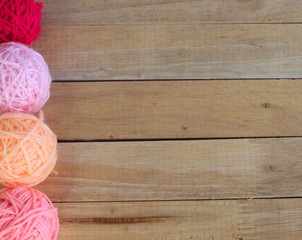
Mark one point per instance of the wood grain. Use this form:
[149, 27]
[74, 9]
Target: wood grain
[129, 52]
[121, 190]
[175, 109]
[100, 12]
[209, 220]
[177, 170]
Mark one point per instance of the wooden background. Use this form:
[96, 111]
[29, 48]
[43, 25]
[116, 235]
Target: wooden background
[177, 119]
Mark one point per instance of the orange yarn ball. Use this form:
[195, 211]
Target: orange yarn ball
[28, 150]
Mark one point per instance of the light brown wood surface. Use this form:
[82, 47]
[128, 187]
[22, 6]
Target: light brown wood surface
[177, 170]
[175, 109]
[142, 91]
[210, 220]
[127, 52]
[100, 12]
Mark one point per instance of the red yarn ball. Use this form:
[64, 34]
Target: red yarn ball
[20, 21]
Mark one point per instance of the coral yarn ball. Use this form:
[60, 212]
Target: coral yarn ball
[24, 79]
[20, 21]
[27, 214]
[28, 150]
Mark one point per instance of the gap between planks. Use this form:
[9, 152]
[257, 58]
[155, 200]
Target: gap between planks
[171, 139]
[182, 200]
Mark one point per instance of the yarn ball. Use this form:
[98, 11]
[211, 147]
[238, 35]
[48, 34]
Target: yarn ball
[27, 214]
[20, 21]
[28, 150]
[24, 79]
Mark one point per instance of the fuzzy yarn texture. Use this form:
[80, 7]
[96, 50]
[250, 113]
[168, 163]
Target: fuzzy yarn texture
[27, 214]
[20, 21]
[24, 79]
[28, 150]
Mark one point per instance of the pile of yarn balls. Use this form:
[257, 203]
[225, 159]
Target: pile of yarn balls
[28, 147]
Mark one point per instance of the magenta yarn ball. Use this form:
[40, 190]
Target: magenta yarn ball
[24, 79]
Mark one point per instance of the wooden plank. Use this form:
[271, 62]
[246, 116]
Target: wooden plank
[210, 220]
[127, 52]
[96, 12]
[175, 109]
[177, 170]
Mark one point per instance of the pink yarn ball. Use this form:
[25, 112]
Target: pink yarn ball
[24, 79]
[27, 214]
